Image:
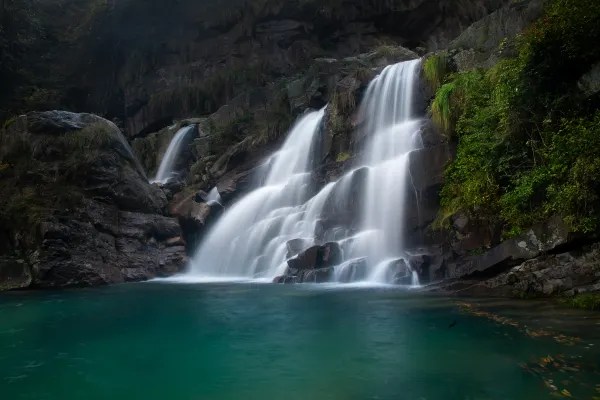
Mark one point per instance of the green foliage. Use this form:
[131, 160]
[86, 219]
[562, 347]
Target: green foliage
[442, 111]
[8, 122]
[343, 157]
[585, 301]
[527, 139]
[435, 69]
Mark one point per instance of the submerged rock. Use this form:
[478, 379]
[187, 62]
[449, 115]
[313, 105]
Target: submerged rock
[353, 271]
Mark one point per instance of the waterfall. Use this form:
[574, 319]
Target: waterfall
[249, 240]
[392, 132]
[213, 196]
[169, 161]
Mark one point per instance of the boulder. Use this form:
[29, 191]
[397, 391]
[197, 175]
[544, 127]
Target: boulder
[306, 260]
[316, 263]
[295, 246]
[94, 218]
[194, 217]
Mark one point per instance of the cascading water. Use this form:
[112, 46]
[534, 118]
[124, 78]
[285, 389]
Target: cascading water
[167, 165]
[392, 134]
[249, 240]
[213, 196]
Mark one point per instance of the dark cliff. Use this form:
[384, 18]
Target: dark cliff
[147, 62]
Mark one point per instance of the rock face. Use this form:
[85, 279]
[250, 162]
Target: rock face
[566, 273]
[194, 214]
[78, 208]
[314, 264]
[211, 53]
[477, 46]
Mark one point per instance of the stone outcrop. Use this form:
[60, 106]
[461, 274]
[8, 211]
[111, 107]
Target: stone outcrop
[478, 46]
[469, 252]
[195, 215]
[77, 207]
[549, 275]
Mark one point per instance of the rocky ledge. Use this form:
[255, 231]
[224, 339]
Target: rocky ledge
[565, 274]
[77, 208]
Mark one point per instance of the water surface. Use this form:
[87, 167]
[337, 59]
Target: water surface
[251, 341]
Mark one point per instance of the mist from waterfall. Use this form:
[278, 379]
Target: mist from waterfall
[249, 240]
[169, 160]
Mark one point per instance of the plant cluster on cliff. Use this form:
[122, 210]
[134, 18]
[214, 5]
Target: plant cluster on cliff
[528, 137]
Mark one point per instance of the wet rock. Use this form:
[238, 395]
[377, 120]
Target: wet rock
[353, 271]
[305, 260]
[319, 275]
[295, 246]
[193, 217]
[314, 264]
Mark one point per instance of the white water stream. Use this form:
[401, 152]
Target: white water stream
[249, 240]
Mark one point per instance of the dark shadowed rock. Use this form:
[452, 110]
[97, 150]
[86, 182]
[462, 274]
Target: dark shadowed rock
[98, 220]
[537, 240]
[317, 256]
[14, 273]
[561, 274]
[305, 260]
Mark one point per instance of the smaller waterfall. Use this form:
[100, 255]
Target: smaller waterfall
[169, 161]
[249, 240]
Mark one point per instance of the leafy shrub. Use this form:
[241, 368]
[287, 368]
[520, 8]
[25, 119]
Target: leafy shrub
[527, 140]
